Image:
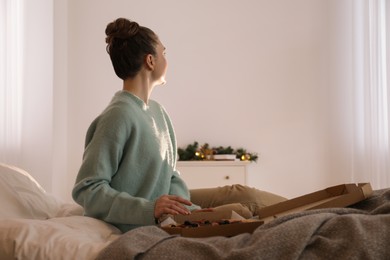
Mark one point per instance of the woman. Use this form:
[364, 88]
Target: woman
[128, 175]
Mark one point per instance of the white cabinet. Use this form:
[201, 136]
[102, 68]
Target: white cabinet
[210, 174]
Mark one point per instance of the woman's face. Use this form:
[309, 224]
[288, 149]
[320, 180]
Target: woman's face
[161, 64]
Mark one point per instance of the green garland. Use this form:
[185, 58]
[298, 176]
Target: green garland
[194, 152]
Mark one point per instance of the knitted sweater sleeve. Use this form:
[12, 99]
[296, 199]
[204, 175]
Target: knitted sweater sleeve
[178, 186]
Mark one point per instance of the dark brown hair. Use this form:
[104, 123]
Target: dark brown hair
[127, 44]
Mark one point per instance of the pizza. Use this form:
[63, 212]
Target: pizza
[204, 222]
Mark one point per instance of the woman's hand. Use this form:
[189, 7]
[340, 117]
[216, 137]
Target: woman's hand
[171, 204]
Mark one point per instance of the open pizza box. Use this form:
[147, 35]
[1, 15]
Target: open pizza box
[237, 226]
[336, 196]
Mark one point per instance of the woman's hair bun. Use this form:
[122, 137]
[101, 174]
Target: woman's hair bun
[121, 28]
[127, 44]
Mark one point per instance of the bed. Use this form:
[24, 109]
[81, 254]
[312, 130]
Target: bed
[35, 225]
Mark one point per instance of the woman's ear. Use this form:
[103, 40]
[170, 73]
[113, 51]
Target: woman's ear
[149, 60]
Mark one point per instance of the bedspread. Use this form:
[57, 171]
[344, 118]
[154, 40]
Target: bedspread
[361, 231]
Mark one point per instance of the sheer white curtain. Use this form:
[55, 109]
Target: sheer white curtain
[11, 79]
[371, 93]
[26, 87]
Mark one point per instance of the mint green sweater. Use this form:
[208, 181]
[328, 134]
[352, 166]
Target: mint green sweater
[129, 161]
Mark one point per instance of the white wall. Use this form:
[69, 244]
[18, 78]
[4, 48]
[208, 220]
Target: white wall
[269, 76]
[62, 182]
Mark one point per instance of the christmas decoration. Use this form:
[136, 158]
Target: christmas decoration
[194, 152]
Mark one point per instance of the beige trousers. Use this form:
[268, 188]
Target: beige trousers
[243, 199]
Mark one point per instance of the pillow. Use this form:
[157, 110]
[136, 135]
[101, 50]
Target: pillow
[21, 196]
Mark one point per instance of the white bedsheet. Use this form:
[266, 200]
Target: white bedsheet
[70, 237]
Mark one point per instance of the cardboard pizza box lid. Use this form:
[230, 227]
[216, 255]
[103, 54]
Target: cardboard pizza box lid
[342, 195]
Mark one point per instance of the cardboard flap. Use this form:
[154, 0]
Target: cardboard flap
[211, 216]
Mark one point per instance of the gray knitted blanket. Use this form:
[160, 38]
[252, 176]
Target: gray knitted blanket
[358, 232]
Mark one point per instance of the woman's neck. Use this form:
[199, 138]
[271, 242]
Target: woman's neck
[138, 86]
